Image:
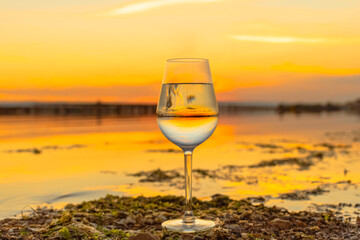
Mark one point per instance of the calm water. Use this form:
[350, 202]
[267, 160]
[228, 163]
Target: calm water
[57, 160]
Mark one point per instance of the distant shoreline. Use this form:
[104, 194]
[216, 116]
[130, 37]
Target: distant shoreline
[99, 108]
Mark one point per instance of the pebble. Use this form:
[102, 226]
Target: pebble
[233, 227]
[127, 220]
[299, 223]
[281, 224]
[246, 214]
[88, 229]
[315, 228]
[85, 221]
[162, 217]
[158, 220]
[283, 210]
[149, 220]
[144, 236]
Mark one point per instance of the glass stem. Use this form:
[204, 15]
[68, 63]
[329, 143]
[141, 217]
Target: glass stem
[188, 216]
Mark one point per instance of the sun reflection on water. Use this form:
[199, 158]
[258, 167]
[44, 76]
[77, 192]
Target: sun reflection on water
[248, 155]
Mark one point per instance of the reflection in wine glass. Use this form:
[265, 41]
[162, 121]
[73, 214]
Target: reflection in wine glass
[187, 114]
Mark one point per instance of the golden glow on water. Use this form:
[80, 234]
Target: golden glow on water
[93, 157]
[104, 153]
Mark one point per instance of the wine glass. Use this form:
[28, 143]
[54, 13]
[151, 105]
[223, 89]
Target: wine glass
[187, 114]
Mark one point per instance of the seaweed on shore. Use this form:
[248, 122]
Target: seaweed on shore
[171, 176]
[325, 148]
[169, 150]
[302, 163]
[157, 175]
[331, 146]
[229, 172]
[353, 135]
[303, 194]
[114, 217]
[43, 148]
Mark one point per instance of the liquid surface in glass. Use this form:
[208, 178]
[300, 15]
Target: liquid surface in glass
[187, 99]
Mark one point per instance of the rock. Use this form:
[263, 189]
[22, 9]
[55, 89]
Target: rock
[283, 210]
[246, 215]
[85, 221]
[144, 236]
[281, 224]
[315, 228]
[233, 228]
[244, 222]
[299, 223]
[199, 238]
[218, 222]
[126, 221]
[162, 217]
[158, 220]
[89, 230]
[149, 220]
[358, 220]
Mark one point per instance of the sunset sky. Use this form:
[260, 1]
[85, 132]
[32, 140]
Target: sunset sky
[115, 50]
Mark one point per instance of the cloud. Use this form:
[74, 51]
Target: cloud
[290, 67]
[273, 39]
[146, 5]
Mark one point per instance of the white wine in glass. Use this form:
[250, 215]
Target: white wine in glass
[187, 114]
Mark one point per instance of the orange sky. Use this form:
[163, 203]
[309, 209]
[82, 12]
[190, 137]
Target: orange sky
[259, 50]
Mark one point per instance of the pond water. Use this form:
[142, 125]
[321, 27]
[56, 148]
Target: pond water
[52, 161]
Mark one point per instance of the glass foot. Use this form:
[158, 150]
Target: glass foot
[177, 225]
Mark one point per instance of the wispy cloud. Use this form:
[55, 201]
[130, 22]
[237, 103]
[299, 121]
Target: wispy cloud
[273, 39]
[146, 5]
